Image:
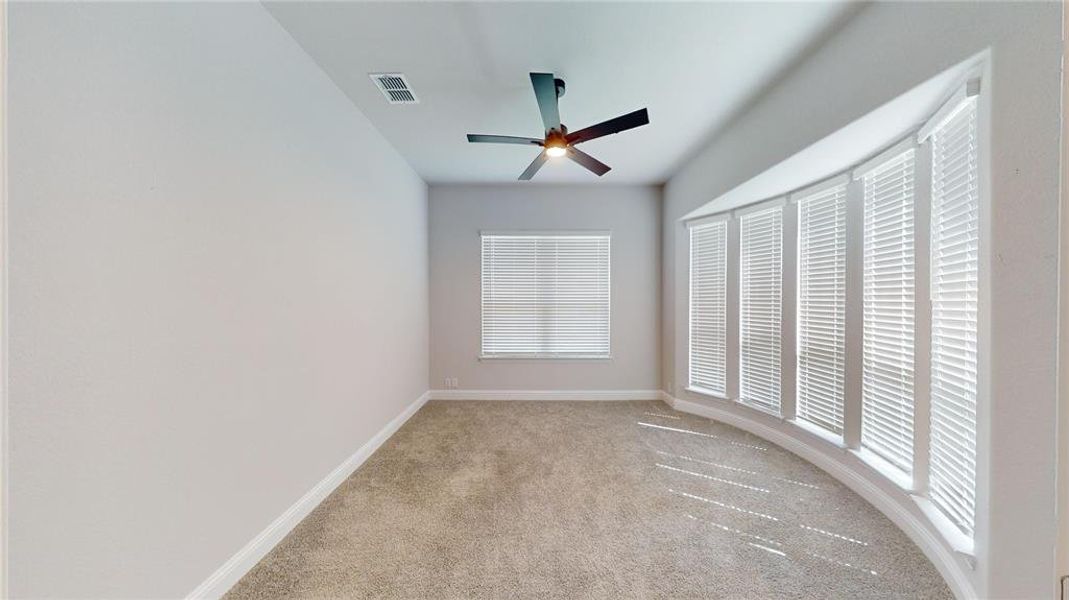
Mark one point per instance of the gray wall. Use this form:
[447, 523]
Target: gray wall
[458, 213]
[884, 51]
[218, 289]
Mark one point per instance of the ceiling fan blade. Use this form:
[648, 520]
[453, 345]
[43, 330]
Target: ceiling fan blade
[546, 94]
[621, 123]
[592, 164]
[478, 138]
[535, 165]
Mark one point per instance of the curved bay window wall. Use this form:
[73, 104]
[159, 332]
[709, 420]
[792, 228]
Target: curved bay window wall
[882, 339]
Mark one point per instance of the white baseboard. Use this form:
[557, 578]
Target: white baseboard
[897, 510]
[545, 394]
[245, 559]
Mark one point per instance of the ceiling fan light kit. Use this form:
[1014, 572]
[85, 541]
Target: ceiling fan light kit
[557, 142]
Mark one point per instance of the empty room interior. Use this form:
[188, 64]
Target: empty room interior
[339, 299]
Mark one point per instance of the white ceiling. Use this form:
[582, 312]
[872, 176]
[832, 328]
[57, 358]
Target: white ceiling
[692, 64]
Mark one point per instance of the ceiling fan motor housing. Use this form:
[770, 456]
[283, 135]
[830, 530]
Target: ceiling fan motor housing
[557, 138]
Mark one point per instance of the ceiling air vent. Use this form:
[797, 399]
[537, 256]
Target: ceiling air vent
[395, 87]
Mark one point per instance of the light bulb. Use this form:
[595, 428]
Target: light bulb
[555, 151]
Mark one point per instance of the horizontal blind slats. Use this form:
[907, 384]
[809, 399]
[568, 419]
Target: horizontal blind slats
[888, 311]
[761, 263]
[954, 295]
[708, 307]
[822, 308]
[545, 295]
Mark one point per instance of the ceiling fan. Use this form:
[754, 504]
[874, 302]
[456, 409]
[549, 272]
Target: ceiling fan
[557, 141]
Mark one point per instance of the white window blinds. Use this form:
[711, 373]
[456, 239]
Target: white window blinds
[708, 307]
[545, 295]
[954, 293]
[888, 309]
[761, 265]
[822, 307]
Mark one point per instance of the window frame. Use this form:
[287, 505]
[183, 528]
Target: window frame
[882, 163]
[545, 356]
[835, 188]
[692, 385]
[957, 107]
[775, 405]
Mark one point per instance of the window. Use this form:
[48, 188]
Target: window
[954, 295]
[545, 295]
[822, 307]
[886, 361]
[708, 307]
[761, 265]
[887, 347]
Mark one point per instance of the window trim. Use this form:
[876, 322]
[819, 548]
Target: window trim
[709, 393]
[892, 152]
[700, 221]
[842, 179]
[949, 108]
[543, 357]
[546, 232]
[954, 537]
[819, 432]
[769, 203]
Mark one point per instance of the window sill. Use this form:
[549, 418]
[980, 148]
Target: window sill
[705, 392]
[885, 468]
[960, 543]
[492, 357]
[762, 410]
[810, 428]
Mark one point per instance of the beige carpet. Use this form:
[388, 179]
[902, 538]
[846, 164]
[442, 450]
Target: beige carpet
[588, 500]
